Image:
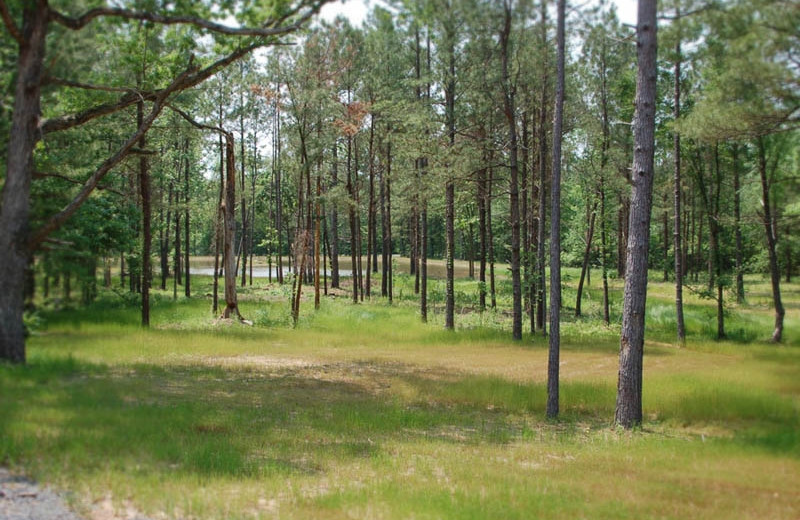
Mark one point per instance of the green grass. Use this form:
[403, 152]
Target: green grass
[364, 412]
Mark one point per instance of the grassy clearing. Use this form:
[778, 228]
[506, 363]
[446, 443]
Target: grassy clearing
[363, 412]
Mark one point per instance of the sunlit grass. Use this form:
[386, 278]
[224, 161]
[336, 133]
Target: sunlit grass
[363, 411]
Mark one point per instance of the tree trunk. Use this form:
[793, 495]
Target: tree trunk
[541, 303]
[490, 239]
[317, 237]
[389, 269]
[774, 271]
[629, 389]
[482, 236]
[586, 254]
[229, 257]
[737, 218]
[555, 228]
[15, 209]
[352, 219]
[510, 112]
[278, 202]
[371, 221]
[187, 290]
[144, 186]
[450, 243]
[177, 260]
[165, 238]
[676, 193]
[334, 247]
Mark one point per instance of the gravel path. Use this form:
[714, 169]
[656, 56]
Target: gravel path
[23, 499]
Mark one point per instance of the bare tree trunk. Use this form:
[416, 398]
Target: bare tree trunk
[352, 218]
[555, 227]
[541, 302]
[490, 239]
[769, 228]
[389, 269]
[629, 389]
[510, 112]
[586, 254]
[737, 219]
[217, 224]
[278, 202]
[423, 282]
[333, 248]
[676, 194]
[450, 244]
[187, 290]
[165, 237]
[371, 220]
[231, 303]
[317, 221]
[481, 181]
[525, 212]
[144, 186]
[177, 259]
[603, 251]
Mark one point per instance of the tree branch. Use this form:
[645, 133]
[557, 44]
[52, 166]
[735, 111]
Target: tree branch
[86, 86]
[66, 122]
[59, 218]
[270, 28]
[48, 175]
[10, 25]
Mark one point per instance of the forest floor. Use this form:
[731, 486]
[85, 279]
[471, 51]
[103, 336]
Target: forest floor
[364, 412]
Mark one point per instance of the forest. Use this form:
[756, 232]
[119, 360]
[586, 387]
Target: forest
[461, 260]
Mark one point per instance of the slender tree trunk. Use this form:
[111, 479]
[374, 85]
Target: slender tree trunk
[423, 281]
[482, 235]
[541, 302]
[243, 201]
[218, 225]
[629, 389]
[555, 228]
[510, 112]
[586, 254]
[165, 237]
[177, 259]
[676, 194]
[450, 243]
[389, 267]
[525, 212]
[317, 221]
[186, 198]
[359, 239]
[737, 219]
[334, 247]
[490, 239]
[278, 198]
[665, 237]
[603, 251]
[371, 220]
[144, 186]
[774, 271]
[352, 218]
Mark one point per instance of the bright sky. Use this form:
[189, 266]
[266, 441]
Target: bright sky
[356, 10]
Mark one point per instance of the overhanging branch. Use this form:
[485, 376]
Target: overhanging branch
[59, 218]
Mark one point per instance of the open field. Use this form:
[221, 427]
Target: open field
[364, 412]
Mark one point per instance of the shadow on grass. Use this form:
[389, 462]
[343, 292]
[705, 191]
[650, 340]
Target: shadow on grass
[256, 421]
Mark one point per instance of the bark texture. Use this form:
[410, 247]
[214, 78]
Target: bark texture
[555, 227]
[629, 388]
